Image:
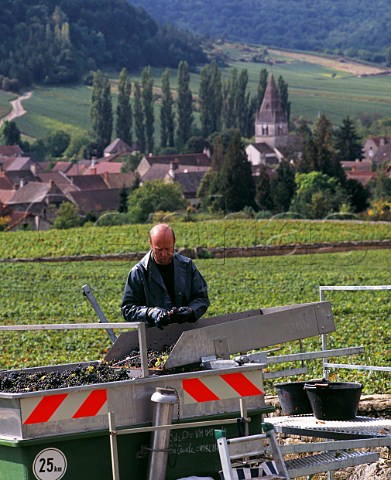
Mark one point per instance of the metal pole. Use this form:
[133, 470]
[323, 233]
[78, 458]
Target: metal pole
[102, 318]
[142, 342]
[165, 398]
[113, 446]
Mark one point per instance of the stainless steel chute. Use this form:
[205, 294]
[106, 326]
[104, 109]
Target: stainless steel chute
[225, 335]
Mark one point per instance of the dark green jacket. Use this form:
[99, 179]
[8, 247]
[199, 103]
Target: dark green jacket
[145, 288]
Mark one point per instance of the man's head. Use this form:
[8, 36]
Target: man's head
[162, 243]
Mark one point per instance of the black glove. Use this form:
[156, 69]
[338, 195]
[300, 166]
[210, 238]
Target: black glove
[158, 316]
[183, 314]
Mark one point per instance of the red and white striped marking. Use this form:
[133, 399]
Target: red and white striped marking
[64, 406]
[220, 387]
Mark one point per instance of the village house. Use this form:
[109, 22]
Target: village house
[34, 199]
[373, 144]
[187, 170]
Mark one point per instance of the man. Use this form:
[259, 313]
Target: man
[164, 287]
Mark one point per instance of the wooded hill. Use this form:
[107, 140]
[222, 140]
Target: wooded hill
[355, 28]
[57, 41]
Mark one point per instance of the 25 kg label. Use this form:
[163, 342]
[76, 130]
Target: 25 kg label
[50, 464]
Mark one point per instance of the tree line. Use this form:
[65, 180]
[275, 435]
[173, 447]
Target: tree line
[60, 42]
[221, 105]
[353, 28]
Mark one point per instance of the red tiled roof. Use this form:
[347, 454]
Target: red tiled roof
[88, 182]
[197, 159]
[10, 150]
[97, 201]
[103, 167]
[158, 171]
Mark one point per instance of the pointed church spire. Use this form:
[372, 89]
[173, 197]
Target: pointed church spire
[271, 124]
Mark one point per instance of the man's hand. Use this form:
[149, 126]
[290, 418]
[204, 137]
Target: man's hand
[183, 314]
[158, 316]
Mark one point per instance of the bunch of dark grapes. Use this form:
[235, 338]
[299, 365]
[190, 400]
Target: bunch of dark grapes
[32, 381]
[25, 381]
[156, 360]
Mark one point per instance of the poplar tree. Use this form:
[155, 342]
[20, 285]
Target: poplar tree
[184, 105]
[211, 99]
[229, 89]
[166, 112]
[124, 108]
[147, 98]
[282, 89]
[139, 118]
[101, 114]
[241, 102]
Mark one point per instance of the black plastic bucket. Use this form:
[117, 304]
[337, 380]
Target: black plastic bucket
[293, 398]
[334, 400]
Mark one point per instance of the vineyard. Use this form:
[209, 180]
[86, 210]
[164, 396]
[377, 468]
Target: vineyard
[50, 292]
[96, 240]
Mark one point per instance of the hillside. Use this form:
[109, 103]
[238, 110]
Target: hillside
[54, 42]
[355, 28]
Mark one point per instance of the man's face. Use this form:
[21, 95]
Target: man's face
[162, 245]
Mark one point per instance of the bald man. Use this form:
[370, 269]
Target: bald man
[164, 287]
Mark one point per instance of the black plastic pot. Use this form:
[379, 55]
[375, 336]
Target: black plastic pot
[334, 401]
[293, 398]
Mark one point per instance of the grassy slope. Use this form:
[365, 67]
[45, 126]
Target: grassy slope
[312, 88]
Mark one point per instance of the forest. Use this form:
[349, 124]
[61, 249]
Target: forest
[354, 28]
[60, 41]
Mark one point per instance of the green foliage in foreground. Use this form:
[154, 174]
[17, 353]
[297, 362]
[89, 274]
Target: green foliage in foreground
[32, 293]
[95, 240]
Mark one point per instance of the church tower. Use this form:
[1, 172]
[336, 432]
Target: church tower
[271, 123]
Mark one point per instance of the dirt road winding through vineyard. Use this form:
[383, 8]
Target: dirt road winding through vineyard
[17, 108]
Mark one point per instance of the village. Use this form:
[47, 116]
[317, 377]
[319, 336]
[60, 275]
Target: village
[31, 192]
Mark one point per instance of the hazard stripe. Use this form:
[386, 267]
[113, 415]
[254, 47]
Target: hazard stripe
[45, 408]
[196, 389]
[93, 403]
[241, 384]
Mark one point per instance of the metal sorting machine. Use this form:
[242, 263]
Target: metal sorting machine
[64, 433]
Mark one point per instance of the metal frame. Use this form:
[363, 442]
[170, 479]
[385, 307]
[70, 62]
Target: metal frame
[327, 365]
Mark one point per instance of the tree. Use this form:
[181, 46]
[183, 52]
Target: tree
[263, 190]
[10, 133]
[153, 197]
[283, 187]
[147, 98]
[166, 113]
[123, 200]
[347, 142]
[57, 142]
[326, 156]
[307, 161]
[241, 102]
[124, 108]
[184, 105]
[262, 83]
[358, 195]
[282, 88]
[381, 186]
[229, 89]
[237, 184]
[211, 99]
[67, 217]
[101, 110]
[317, 195]
[139, 118]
